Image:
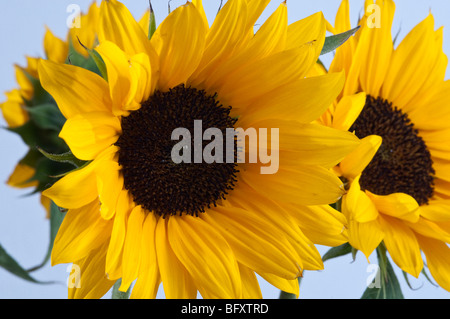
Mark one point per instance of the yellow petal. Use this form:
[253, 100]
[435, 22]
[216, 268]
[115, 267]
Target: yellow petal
[117, 25]
[342, 22]
[144, 21]
[206, 255]
[316, 94]
[81, 231]
[436, 210]
[430, 115]
[308, 30]
[132, 251]
[109, 181]
[280, 218]
[87, 279]
[355, 162]
[113, 265]
[250, 284]
[13, 112]
[255, 242]
[21, 176]
[365, 236]
[438, 260]
[250, 83]
[356, 205]
[87, 31]
[142, 82]
[376, 62]
[411, 63]
[402, 245]
[119, 74]
[73, 96]
[199, 5]
[397, 205]
[268, 40]
[322, 224]
[89, 134]
[179, 58]
[348, 110]
[227, 31]
[177, 282]
[435, 230]
[289, 286]
[149, 279]
[55, 49]
[74, 190]
[312, 144]
[304, 185]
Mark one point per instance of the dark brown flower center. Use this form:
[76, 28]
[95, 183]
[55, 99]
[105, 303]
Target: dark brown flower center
[156, 182]
[403, 163]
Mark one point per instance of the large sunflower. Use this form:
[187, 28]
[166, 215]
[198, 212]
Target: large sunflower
[135, 214]
[397, 102]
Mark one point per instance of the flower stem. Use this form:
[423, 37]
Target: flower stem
[117, 294]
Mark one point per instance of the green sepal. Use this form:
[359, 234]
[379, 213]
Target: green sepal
[56, 217]
[40, 96]
[46, 116]
[77, 59]
[8, 263]
[67, 157]
[34, 136]
[389, 284]
[335, 41]
[338, 251]
[152, 23]
[98, 60]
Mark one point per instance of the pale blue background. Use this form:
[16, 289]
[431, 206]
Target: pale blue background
[23, 227]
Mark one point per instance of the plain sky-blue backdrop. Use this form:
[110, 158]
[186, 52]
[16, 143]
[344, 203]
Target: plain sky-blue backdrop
[24, 231]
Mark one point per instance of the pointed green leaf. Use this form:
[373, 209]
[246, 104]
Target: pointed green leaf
[152, 24]
[10, 264]
[334, 252]
[335, 41]
[96, 57]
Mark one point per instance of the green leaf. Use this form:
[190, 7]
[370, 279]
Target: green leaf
[334, 252]
[335, 41]
[56, 218]
[46, 116]
[10, 264]
[389, 286]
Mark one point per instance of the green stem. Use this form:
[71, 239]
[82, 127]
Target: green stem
[117, 294]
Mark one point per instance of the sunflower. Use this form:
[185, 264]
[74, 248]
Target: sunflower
[396, 101]
[28, 99]
[136, 215]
